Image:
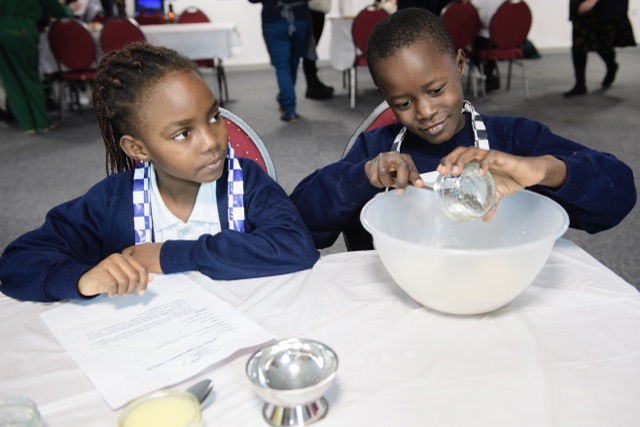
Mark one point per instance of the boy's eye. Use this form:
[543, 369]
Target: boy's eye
[437, 91]
[215, 117]
[404, 105]
[182, 135]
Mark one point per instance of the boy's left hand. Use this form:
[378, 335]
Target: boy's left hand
[147, 254]
[510, 173]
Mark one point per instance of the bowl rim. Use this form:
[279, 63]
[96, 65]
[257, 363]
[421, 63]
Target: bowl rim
[466, 252]
[276, 342]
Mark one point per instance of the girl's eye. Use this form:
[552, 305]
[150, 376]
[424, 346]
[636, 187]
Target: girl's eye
[215, 117]
[182, 135]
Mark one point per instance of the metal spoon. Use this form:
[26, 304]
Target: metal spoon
[201, 390]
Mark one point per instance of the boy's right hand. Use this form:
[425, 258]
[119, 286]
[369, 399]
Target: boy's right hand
[393, 170]
[117, 274]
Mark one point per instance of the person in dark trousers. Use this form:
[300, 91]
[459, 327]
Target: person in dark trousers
[315, 88]
[598, 26]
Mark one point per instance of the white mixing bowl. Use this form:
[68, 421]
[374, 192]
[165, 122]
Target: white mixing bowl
[463, 267]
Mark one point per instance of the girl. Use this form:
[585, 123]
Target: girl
[181, 208]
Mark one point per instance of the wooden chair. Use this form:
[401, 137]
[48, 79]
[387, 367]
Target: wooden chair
[508, 31]
[361, 28]
[119, 32]
[356, 238]
[246, 142]
[463, 23]
[74, 49]
[195, 15]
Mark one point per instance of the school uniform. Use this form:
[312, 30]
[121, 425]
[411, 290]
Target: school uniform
[46, 264]
[598, 193]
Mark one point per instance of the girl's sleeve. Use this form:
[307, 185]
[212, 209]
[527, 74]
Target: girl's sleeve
[275, 240]
[45, 264]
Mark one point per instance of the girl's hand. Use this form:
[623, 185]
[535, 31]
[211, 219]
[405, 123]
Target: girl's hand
[393, 170]
[147, 255]
[116, 275]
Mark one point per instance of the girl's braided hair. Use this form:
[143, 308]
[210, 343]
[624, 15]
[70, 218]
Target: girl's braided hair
[123, 78]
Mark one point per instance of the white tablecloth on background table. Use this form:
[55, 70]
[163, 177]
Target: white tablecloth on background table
[565, 353]
[342, 51]
[195, 41]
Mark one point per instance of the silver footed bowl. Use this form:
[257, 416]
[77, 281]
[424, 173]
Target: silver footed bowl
[291, 376]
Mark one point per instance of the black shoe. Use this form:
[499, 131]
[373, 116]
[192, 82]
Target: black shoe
[325, 87]
[318, 92]
[576, 91]
[610, 76]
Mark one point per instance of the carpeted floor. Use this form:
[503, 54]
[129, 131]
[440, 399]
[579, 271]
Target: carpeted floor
[38, 172]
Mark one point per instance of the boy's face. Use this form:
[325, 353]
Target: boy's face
[424, 89]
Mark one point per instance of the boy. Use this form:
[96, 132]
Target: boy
[418, 71]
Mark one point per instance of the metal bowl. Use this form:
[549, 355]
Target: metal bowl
[291, 376]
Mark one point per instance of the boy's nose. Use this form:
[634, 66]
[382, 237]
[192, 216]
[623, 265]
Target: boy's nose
[425, 107]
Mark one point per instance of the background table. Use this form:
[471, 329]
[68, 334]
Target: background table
[564, 353]
[342, 51]
[196, 41]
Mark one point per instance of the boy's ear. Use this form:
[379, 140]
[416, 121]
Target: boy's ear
[461, 62]
[134, 148]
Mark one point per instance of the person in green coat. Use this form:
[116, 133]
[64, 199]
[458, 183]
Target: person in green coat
[19, 60]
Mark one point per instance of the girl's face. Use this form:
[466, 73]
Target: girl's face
[182, 132]
[424, 89]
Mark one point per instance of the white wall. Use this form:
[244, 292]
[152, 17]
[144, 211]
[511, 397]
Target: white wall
[551, 28]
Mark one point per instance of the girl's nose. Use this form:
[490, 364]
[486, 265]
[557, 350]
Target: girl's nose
[212, 140]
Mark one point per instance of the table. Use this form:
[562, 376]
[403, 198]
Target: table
[342, 51]
[196, 41]
[564, 353]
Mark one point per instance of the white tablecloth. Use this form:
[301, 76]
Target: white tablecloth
[196, 41]
[342, 51]
[564, 353]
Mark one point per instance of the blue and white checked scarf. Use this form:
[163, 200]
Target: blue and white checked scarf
[480, 139]
[143, 219]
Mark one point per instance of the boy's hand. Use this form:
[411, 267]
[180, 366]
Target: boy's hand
[116, 275]
[147, 255]
[510, 173]
[393, 170]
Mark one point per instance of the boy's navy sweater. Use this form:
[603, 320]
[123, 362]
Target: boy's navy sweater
[45, 264]
[598, 193]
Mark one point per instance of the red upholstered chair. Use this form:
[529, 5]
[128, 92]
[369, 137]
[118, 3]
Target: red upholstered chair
[361, 28]
[463, 23]
[73, 47]
[194, 15]
[151, 17]
[119, 32]
[355, 237]
[246, 142]
[508, 31]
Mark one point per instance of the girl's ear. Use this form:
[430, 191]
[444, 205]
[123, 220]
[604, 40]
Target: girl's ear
[134, 148]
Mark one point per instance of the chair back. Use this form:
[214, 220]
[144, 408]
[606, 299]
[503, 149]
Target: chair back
[192, 15]
[119, 32]
[153, 17]
[246, 142]
[380, 116]
[510, 24]
[462, 23]
[72, 44]
[361, 28]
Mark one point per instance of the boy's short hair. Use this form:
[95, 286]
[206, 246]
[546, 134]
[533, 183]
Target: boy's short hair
[405, 28]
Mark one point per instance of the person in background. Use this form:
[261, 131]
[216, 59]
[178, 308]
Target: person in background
[315, 88]
[486, 10]
[177, 198]
[19, 60]
[87, 10]
[598, 26]
[438, 132]
[285, 28]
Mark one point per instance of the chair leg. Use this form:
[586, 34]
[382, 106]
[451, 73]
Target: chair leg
[352, 87]
[509, 75]
[525, 81]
